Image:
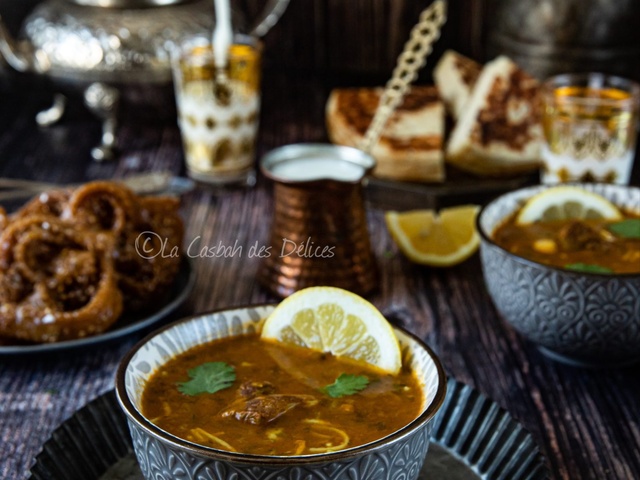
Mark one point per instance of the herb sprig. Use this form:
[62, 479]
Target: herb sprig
[346, 384]
[587, 268]
[209, 377]
[629, 228]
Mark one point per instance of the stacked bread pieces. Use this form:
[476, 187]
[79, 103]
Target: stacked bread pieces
[497, 128]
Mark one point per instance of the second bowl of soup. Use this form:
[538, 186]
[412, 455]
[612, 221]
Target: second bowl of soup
[571, 287]
[207, 398]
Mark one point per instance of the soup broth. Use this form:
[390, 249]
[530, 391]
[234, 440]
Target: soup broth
[588, 245]
[279, 402]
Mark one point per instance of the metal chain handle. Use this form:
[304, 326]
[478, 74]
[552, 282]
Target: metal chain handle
[412, 59]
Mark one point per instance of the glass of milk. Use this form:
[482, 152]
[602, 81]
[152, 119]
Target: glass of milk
[218, 116]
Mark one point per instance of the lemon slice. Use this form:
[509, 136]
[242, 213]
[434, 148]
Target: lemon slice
[334, 320]
[559, 203]
[437, 240]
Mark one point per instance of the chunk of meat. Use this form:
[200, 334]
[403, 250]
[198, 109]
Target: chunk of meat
[252, 389]
[578, 236]
[266, 408]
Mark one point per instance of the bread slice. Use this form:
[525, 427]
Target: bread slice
[410, 147]
[455, 76]
[499, 132]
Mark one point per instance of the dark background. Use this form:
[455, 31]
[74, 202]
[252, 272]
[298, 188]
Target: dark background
[361, 39]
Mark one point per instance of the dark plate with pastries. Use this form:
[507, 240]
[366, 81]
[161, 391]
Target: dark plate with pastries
[128, 324]
[88, 265]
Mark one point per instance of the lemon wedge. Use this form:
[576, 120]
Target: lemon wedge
[334, 320]
[559, 203]
[437, 240]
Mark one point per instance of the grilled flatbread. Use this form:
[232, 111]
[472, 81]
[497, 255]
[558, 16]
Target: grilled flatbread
[410, 147]
[455, 76]
[499, 131]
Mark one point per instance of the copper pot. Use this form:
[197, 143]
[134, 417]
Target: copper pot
[319, 233]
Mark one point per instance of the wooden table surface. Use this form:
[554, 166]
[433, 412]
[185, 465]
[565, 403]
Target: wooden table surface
[587, 422]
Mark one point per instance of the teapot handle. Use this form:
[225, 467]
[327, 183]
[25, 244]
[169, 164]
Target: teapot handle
[270, 15]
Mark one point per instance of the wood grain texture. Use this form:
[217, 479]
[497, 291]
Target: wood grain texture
[586, 421]
[342, 39]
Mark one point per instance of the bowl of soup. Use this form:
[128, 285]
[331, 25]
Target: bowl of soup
[571, 287]
[206, 397]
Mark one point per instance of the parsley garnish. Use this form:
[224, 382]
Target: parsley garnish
[629, 228]
[587, 268]
[208, 378]
[346, 384]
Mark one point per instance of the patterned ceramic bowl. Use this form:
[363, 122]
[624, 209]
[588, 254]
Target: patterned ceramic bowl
[164, 457]
[580, 318]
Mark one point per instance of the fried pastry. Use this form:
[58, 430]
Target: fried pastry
[68, 261]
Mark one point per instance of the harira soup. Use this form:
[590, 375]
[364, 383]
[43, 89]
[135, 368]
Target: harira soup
[244, 394]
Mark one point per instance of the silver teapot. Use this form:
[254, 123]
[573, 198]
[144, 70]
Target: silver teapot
[111, 50]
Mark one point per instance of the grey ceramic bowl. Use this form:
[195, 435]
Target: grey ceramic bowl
[163, 456]
[580, 318]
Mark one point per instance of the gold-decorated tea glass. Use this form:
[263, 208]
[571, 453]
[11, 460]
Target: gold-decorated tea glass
[590, 124]
[218, 117]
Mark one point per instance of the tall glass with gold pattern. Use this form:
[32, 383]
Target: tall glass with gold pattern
[590, 124]
[218, 117]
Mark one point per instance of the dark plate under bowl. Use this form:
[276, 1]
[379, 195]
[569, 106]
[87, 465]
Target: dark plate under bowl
[472, 438]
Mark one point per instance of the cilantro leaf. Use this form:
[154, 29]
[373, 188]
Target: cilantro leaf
[587, 268]
[346, 384]
[629, 228]
[209, 377]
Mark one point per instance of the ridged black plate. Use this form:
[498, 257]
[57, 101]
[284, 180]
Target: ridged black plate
[485, 437]
[472, 438]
